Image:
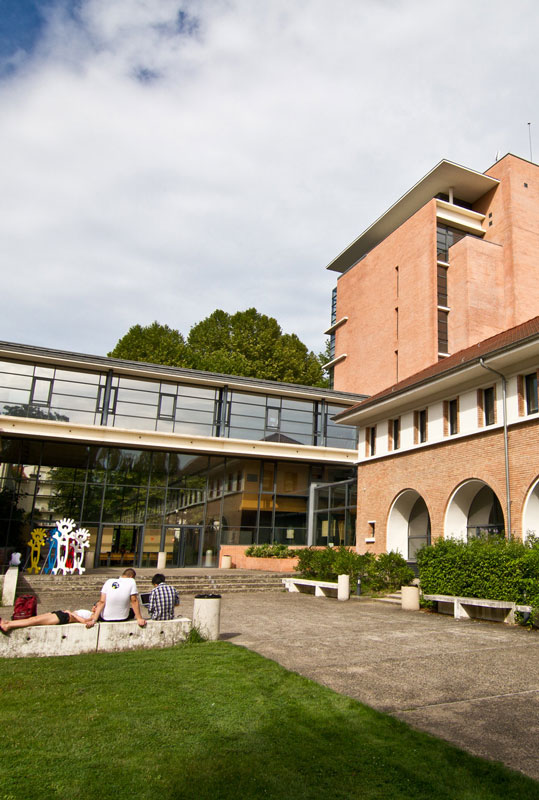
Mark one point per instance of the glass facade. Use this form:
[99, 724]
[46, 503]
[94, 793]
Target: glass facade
[103, 398]
[335, 511]
[136, 503]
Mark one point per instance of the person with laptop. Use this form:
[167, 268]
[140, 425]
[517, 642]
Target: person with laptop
[163, 599]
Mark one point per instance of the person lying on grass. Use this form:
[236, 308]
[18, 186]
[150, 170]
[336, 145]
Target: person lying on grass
[51, 618]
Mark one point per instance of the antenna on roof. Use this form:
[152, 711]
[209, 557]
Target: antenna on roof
[530, 138]
[497, 155]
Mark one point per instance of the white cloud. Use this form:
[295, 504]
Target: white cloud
[252, 147]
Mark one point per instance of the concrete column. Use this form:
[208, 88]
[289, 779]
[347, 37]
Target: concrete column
[410, 598]
[161, 559]
[343, 587]
[9, 587]
[207, 615]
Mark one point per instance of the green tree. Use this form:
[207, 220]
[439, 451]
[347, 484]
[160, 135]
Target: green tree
[246, 343]
[155, 343]
[252, 345]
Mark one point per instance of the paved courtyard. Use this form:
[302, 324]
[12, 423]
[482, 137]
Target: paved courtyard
[475, 684]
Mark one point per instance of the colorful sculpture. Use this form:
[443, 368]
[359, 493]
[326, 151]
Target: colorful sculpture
[37, 540]
[70, 547]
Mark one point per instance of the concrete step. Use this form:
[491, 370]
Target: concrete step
[67, 591]
[395, 598]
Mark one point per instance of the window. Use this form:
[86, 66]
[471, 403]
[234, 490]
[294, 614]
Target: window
[394, 434]
[442, 286]
[370, 441]
[41, 392]
[272, 417]
[167, 406]
[530, 382]
[443, 336]
[420, 426]
[453, 414]
[489, 406]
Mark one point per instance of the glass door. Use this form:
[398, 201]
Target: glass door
[183, 545]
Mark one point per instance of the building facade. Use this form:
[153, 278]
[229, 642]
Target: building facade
[448, 265]
[154, 459]
[451, 451]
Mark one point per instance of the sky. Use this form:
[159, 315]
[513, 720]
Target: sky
[164, 158]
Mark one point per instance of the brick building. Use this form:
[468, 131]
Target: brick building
[448, 265]
[451, 450]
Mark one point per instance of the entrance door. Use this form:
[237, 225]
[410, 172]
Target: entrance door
[186, 545]
[120, 545]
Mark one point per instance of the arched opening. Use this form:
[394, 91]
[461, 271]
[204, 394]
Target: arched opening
[408, 524]
[530, 516]
[474, 510]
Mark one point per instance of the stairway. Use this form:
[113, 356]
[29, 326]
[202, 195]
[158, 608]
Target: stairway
[395, 598]
[81, 591]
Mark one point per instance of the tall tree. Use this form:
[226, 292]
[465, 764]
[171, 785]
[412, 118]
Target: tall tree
[252, 345]
[246, 343]
[155, 343]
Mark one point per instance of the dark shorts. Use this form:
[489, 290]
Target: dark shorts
[63, 618]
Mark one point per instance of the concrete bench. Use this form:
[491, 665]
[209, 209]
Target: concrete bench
[105, 637]
[477, 607]
[321, 588]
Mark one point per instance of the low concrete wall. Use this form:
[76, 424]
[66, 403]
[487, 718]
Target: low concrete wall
[105, 637]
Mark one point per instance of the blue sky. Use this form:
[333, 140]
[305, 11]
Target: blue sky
[165, 158]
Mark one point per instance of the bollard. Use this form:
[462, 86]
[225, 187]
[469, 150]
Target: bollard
[89, 559]
[207, 615]
[226, 562]
[208, 560]
[343, 587]
[358, 586]
[410, 598]
[161, 559]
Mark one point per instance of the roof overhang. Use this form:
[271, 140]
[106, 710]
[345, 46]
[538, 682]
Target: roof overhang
[467, 184]
[508, 361]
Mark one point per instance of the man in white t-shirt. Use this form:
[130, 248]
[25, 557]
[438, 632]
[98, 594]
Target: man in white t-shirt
[119, 601]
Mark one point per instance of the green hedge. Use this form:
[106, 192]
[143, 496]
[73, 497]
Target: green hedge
[384, 573]
[271, 551]
[491, 568]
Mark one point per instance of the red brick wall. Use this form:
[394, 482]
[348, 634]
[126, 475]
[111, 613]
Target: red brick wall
[367, 295]
[435, 472]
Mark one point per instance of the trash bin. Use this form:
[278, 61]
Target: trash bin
[207, 615]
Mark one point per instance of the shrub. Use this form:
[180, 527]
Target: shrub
[491, 568]
[386, 572]
[270, 551]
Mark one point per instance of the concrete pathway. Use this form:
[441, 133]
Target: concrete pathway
[475, 684]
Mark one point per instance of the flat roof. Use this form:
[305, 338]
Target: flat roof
[12, 350]
[467, 184]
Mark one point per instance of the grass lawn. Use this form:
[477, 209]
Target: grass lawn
[215, 721]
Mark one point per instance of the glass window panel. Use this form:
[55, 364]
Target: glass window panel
[77, 389]
[44, 372]
[196, 403]
[16, 381]
[14, 399]
[272, 417]
[41, 391]
[184, 415]
[245, 433]
[92, 378]
[251, 399]
[138, 385]
[295, 415]
[292, 478]
[74, 402]
[338, 496]
[195, 391]
[167, 403]
[12, 366]
[137, 410]
[193, 428]
[138, 398]
[298, 405]
[165, 425]
[91, 509]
